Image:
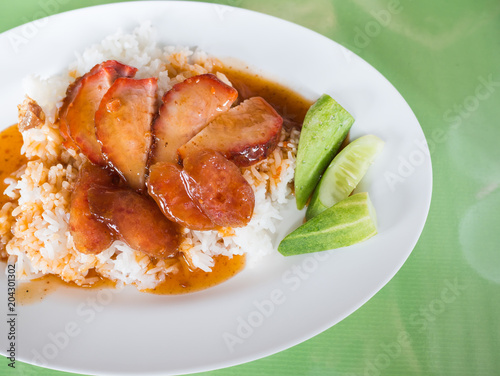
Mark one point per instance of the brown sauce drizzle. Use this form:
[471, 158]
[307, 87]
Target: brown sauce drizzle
[290, 105]
[182, 282]
[35, 290]
[187, 280]
[11, 141]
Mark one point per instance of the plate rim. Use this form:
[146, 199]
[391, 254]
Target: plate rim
[417, 234]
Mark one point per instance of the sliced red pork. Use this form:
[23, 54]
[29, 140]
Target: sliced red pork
[123, 127]
[245, 134]
[187, 108]
[81, 103]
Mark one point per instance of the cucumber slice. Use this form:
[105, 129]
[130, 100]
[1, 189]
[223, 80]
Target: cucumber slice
[350, 221]
[344, 173]
[325, 126]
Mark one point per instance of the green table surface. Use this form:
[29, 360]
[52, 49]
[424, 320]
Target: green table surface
[440, 314]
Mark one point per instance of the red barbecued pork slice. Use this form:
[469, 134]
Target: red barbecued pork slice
[187, 108]
[76, 116]
[245, 134]
[123, 127]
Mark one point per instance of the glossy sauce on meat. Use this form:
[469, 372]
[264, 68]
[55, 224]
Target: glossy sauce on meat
[167, 185]
[89, 234]
[245, 134]
[123, 127]
[291, 106]
[135, 219]
[219, 189]
[187, 108]
[81, 103]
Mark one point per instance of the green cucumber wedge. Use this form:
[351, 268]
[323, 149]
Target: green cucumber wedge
[348, 222]
[344, 173]
[325, 127]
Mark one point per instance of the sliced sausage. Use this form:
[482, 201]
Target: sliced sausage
[187, 108]
[245, 134]
[123, 127]
[89, 234]
[81, 103]
[167, 185]
[219, 188]
[136, 219]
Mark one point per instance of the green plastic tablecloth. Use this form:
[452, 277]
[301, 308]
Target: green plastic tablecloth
[440, 314]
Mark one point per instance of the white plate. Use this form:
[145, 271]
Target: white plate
[263, 310]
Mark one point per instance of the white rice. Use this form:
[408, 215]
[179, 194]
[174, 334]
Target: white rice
[34, 226]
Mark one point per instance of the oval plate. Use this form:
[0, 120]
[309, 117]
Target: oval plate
[280, 302]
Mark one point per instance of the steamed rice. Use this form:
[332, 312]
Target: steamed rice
[34, 226]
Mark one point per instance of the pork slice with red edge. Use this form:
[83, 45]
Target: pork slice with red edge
[218, 188]
[89, 234]
[245, 134]
[167, 185]
[187, 108]
[136, 219]
[71, 92]
[81, 103]
[123, 127]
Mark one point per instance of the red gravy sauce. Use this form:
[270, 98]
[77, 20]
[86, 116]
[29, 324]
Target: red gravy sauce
[290, 105]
